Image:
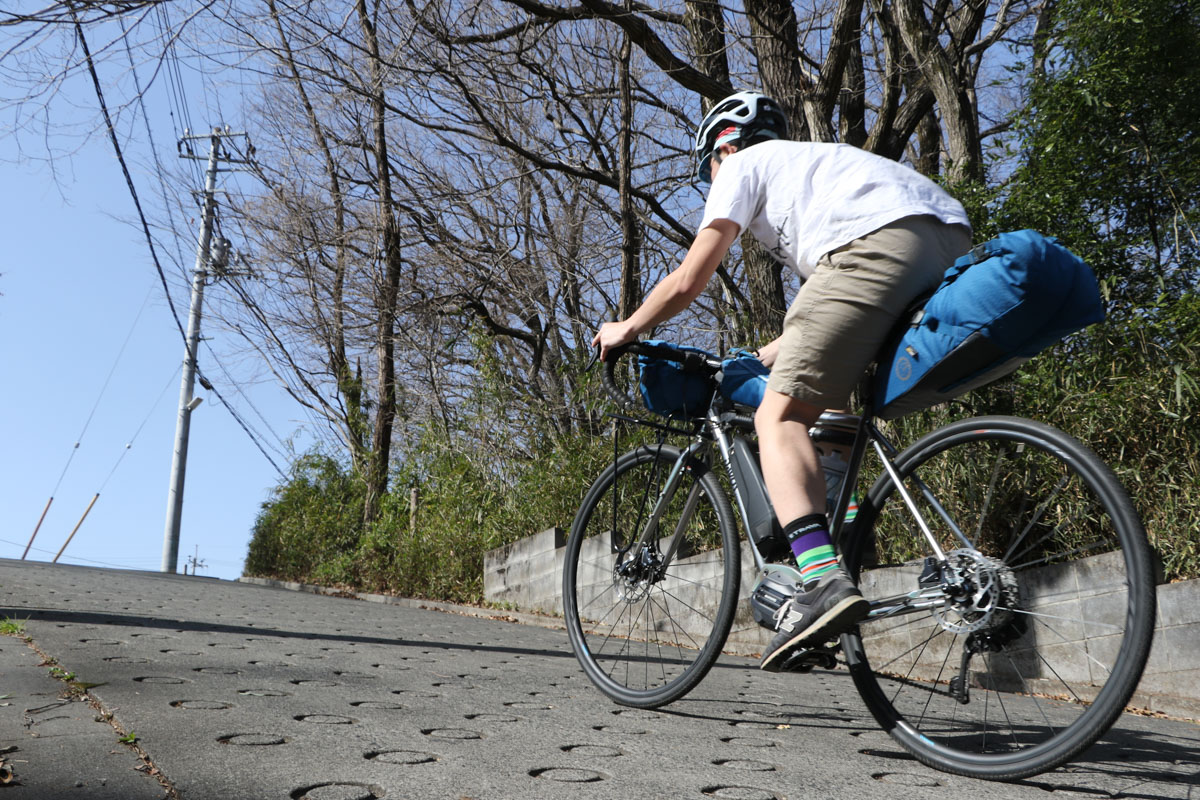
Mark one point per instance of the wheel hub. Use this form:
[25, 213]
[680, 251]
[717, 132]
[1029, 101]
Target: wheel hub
[634, 576]
[985, 595]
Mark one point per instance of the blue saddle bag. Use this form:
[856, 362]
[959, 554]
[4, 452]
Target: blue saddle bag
[997, 307]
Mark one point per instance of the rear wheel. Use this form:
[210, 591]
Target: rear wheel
[1023, 647]
[648, 620]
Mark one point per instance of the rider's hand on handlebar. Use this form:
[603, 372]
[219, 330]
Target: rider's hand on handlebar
[611, 335]
[768, 352]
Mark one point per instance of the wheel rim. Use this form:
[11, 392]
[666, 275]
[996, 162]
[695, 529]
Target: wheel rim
[1048, 637]
[643, 615]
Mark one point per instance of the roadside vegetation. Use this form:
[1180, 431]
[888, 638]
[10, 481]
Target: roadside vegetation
[312, 531]
[12, 627]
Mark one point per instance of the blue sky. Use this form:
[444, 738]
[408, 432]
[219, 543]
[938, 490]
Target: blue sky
[77, 285]
[77, 282]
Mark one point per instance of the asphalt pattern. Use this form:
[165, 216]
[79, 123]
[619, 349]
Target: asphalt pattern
[243, 691]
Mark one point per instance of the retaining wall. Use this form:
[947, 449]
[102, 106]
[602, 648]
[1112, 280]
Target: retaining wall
[527, 576]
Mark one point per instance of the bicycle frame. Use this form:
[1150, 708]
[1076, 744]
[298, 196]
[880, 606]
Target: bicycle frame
[649, 617]
[719, 429]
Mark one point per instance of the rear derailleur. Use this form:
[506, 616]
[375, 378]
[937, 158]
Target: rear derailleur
[982, 641]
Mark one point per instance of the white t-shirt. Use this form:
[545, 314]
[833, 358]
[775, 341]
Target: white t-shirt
[805, 199]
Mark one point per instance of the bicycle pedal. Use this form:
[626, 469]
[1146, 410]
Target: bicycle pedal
[805, 659]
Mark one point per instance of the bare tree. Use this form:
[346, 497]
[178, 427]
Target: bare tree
[453, 196]
[537, 157]
[897, 78]
[69, 13]
[328, 231]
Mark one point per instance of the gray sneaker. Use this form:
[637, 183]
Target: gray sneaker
[811, 618]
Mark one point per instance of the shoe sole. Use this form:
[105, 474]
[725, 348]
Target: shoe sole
[845, 614]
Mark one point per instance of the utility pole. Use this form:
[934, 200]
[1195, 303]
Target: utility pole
[196, 563]
[188, 403]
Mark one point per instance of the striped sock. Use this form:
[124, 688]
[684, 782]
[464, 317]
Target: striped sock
[812, 547]
[852, 509]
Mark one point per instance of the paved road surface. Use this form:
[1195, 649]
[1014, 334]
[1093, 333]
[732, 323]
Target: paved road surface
[255, 693]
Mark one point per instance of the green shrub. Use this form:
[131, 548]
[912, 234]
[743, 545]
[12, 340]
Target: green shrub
[311, 530]
[311, 523]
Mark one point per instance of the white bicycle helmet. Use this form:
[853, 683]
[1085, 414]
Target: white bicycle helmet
[744, 116]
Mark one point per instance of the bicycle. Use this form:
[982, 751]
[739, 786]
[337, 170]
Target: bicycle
[1010, 580]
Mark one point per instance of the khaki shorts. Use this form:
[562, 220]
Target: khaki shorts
[843, 313]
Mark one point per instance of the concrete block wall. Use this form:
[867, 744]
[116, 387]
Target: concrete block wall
[527, 575]
[1171, 683]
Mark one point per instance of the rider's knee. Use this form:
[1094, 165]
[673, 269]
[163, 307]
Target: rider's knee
[777, 409]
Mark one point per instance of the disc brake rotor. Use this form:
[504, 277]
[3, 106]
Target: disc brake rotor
[989, 593]
[634, 576]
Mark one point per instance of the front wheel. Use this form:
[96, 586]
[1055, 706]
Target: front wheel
[1022, 647]
[648, 614]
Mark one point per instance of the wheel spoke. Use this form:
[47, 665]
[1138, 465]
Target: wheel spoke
[916, 661]
[1060, 556]
[1040, 617]
[1051, 597]
[1008, 555]
[680, 633]
[1016, 668]
[936, 681]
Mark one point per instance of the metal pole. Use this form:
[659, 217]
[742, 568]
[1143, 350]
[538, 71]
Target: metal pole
[38, 527]
[86, 511]
[170, 557]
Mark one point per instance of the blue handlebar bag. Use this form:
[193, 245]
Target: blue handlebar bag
[669, 389]
[744, 379]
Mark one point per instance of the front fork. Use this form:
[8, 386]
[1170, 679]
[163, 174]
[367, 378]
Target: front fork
[646, 556]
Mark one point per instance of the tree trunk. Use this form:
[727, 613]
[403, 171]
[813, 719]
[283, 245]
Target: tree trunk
[706, 29]
[940, 69]
[387, 292]
[767, 304]
[926, 154]
[334, 331]
[631, 273]
[774, 30]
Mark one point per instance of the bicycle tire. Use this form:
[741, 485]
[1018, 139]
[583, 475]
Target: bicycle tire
[646, 636]
[1057, 659]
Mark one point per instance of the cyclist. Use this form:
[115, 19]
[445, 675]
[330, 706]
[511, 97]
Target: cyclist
[866, 235]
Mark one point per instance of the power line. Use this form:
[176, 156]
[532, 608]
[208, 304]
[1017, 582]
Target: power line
[129, 445]
[177, 93]
[245, 427]
[87, 423]
[280, 449]
[112, 134]
[172, 64]
[158, 167]
[79, 439]
[75, 558]
[145, 225]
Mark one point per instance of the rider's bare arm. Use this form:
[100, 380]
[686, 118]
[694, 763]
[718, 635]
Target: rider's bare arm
[675, 292]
